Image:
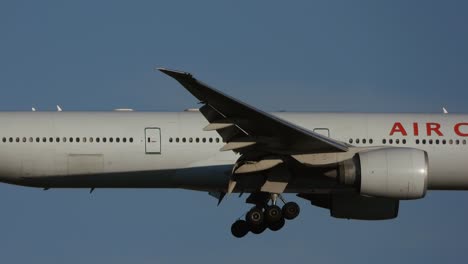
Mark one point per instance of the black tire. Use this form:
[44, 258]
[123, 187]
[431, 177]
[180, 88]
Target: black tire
[291, 210]
[258, 229]
[255, 216]
[273, 214]
[277, 225]
[240, 228]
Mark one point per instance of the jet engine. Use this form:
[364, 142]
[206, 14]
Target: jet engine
[396, 173]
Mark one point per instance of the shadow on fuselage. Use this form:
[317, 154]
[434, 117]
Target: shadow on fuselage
[197, 178]
[204, 178]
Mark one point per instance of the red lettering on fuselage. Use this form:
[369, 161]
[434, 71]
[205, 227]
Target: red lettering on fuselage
[433, 127]
[398, 127]
[416, 129]
[457, 129]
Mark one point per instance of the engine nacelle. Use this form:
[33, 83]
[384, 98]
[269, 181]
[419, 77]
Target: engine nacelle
[397, 173]
[355, 206]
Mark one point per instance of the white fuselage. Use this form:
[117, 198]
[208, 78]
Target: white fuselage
[171, 150]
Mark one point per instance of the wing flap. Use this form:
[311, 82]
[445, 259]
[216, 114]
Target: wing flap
[217, 126]
[237, 145]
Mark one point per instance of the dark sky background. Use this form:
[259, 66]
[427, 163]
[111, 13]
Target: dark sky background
[360, 56]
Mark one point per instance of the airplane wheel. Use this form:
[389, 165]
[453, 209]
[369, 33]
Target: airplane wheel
[255, 216]
[240, 228]
[273, 214]
[291, 210]
[258, 229]
[277, 225]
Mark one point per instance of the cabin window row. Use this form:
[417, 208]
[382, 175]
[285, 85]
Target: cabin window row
[68, 139]
[396, 141]
[194, 140]
[443, 141]
[363, 141]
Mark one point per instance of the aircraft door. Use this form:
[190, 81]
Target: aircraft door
[152, 140]
[322, 131]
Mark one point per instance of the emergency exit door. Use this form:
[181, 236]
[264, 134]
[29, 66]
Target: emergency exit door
[153, 140]
[322, 131]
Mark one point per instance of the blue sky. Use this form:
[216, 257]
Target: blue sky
[361, 56]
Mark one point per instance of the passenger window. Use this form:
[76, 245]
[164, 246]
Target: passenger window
[203, 140]
[177, 140]
[371, 141]
[111, 140]
[77, 140]
[104, 139]
[57, 139]
[64, 139]
[190, 140]
[91, 139]
[211, 140]
[117, 140]
[51, 139]
[197, 140]
[71, 139]
[24, 139]
[350, 141]
[417, 141]
[404, 141]
[125, 140]
[451, 141]
[457, 142]
[384, 141]
[38, 139]
[17, 139]
[31, 139]
[424, 141]
[437, 141]
[390, 141]
[430, 141]
[84, 140]
[4, 140]
[464, 142]
[397, 141]
[98, 139]
[444, 141]
[11, 139]
[357, 141]
[131, 140]
[217, 140]
[364, 141]
[183, 140]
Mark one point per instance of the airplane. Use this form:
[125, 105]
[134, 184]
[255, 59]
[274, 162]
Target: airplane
[356, 165]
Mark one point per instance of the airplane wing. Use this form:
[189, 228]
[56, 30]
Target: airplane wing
[245, 128]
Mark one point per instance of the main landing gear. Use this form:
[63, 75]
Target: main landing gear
[259, 218]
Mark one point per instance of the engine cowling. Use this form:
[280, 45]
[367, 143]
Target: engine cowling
[397, 173]
[355, 206]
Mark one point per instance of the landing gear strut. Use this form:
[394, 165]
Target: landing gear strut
[261, 217]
